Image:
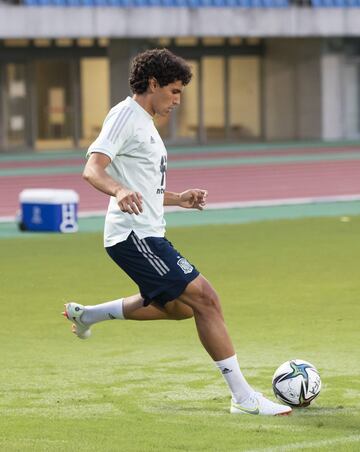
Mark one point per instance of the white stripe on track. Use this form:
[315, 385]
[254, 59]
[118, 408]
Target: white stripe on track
[323, 443]
[276, 202]
[232, 205]
[243, 204]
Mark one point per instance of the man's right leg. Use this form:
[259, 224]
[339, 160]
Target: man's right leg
[173, 310]
[129, 308]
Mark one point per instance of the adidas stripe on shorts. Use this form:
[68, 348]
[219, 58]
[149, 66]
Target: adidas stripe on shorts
[159, 270]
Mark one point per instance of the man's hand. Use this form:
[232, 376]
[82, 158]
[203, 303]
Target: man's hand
[129, 201]
[193, 199]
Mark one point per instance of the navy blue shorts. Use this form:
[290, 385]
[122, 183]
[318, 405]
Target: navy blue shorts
[160, 271]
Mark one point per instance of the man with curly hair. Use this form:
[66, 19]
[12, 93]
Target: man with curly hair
[128, 162]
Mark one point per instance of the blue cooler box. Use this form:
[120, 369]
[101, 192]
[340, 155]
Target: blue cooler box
[48, 210]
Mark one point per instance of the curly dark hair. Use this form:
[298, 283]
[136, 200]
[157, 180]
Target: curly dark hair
[160, 64]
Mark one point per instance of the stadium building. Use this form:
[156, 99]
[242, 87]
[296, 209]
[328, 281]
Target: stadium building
[264, 70]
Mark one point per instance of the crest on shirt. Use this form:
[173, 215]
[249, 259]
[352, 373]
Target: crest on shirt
[185, 266]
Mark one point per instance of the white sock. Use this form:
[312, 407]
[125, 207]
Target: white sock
[239, 387]
[105, 311]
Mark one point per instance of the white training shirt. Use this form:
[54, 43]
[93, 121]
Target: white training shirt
[138, 161]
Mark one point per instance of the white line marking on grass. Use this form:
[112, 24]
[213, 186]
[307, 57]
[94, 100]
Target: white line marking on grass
[310, 444]
[255, 203]
[232, 205]
[7, 219]
[275, 202]
[91, 213]
[33, 440]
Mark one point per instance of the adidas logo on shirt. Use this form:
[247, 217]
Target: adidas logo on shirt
[152, 140]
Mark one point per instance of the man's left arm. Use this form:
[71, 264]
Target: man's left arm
[194, 198]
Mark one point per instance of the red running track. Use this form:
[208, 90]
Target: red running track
[79, 161]
[225, 184]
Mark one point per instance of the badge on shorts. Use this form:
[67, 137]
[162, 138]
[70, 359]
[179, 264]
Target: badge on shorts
[185, 266]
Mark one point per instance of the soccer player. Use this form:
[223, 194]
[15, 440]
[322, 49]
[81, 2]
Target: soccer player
[128, 162]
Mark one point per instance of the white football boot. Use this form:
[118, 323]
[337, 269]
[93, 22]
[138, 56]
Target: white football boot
[256, 403]
[73, 312]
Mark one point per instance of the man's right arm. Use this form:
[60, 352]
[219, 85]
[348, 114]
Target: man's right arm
[94, 173]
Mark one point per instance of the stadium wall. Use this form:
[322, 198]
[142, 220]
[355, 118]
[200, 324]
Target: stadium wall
[332, 66]
[292, 79]
[297, 85]
[38, 22]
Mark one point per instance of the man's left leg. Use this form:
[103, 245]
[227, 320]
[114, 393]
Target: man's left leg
[212, 331]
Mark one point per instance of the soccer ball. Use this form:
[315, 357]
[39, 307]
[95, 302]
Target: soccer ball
[296, 383]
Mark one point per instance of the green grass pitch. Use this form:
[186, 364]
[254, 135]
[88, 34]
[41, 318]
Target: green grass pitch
[289, 289]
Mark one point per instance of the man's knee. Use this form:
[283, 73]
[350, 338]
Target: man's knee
[208, 299]
[201, 296]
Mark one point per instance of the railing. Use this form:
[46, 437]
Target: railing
[164, 3]
[190, 3]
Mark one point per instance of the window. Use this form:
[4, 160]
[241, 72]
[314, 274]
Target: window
[95, 96]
